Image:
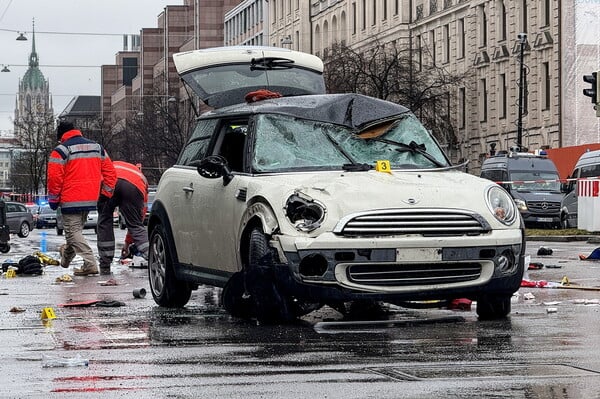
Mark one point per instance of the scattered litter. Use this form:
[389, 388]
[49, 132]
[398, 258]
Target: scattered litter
[535, 266]
[592, 302]
[52, 361]
[552, 310]
[543, 251]
[65, 278]
[456, 304]
[528, 296]
[16, 309]
[553, 266]
[539, 284]
[111, 281]
[94, 302]
[45, 259]
[141, 293]
[579, 301]
[552, 303]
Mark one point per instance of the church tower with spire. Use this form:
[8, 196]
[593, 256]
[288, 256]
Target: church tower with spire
[33, 103]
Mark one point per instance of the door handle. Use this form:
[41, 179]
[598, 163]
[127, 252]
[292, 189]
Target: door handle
[188, 189]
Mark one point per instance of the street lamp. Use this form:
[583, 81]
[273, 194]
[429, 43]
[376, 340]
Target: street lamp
[522, 87]
[5, 69]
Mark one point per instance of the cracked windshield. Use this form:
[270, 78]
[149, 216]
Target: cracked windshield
[287, 143]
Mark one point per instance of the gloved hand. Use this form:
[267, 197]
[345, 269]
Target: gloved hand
[53, 205]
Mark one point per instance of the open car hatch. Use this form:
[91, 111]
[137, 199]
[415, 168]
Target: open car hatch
[223, 76]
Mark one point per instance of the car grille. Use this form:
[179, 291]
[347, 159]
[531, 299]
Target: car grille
[426, 222]
[412, 274]
[543, 206]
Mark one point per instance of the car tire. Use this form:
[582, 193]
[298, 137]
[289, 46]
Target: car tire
[166, 289]
[493, 307]
[564, 220]
[24, 230]
[4, 248]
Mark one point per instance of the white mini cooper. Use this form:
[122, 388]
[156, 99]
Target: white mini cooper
[291, 199]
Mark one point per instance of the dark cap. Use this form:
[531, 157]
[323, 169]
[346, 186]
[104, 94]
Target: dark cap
[63, 126]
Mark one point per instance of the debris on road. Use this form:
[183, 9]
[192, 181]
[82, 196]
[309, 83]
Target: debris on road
[46, 259]
[544, 251]
[108, 282]
[65, 278]
[16, 309]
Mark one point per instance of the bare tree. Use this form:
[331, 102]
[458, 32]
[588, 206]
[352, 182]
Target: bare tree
[155, 136]
[36, 138]
[392, 72]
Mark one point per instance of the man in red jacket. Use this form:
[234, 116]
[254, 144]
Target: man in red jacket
[79, 170]
[131, 196]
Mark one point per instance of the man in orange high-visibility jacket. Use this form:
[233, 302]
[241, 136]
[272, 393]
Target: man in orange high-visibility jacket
[79, 171]
[131, 196]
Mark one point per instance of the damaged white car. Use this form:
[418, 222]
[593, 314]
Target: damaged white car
[292, 199]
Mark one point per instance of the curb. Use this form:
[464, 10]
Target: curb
[588, 238]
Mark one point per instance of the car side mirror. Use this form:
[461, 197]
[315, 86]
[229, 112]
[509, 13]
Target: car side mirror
[214, 166]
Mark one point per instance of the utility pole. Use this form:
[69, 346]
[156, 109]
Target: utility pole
[522, 85]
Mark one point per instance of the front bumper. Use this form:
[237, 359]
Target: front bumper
[333, 268]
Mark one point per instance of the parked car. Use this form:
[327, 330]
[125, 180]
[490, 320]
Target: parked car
[18, 218]
[91, 223]
[45, 217]
[291, 203]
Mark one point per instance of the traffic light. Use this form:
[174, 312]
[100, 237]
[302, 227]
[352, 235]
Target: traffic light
[593, 91]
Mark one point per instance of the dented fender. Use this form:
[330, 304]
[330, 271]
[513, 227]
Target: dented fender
[262, 211]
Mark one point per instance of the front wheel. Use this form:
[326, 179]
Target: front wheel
[24, 230]
[493, 307]
[166, 289]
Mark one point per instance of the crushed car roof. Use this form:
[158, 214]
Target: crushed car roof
[355, 111]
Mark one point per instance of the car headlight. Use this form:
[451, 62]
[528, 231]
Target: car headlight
[521, 205]
[501, 204]
[305, 213]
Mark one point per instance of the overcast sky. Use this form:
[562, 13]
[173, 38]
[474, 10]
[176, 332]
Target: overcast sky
[69, 56]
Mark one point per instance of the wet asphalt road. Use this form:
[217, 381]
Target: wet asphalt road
[548, 348]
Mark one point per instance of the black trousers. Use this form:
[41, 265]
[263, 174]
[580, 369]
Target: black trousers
[131, 204]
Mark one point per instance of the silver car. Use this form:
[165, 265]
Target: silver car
[292, 202]
[19, 218]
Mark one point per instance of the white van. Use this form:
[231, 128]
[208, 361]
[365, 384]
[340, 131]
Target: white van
[588, 165]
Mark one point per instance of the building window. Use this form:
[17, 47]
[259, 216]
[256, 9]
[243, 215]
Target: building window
[501, 20]
[482, 100]
[374, 17]
[546, 86]
[546, 11]
[419, 51]
[354, 18]
[502, 100]
[446, 31]
[461, 38]
[396, 7]
[432, 46]
[482, 26]
[364, 14]
[462, 107]
[384, 18]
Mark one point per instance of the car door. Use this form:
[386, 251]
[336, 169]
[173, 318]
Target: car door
[209, 238]
[12, 217]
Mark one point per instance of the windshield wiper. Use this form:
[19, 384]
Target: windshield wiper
[412, 147]
[357, 167]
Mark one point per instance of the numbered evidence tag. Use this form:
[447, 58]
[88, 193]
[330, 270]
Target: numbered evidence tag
[383, 166]
[48, 313]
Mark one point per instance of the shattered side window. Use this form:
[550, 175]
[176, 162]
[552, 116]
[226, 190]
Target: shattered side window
[286, 143]
[196, 147]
